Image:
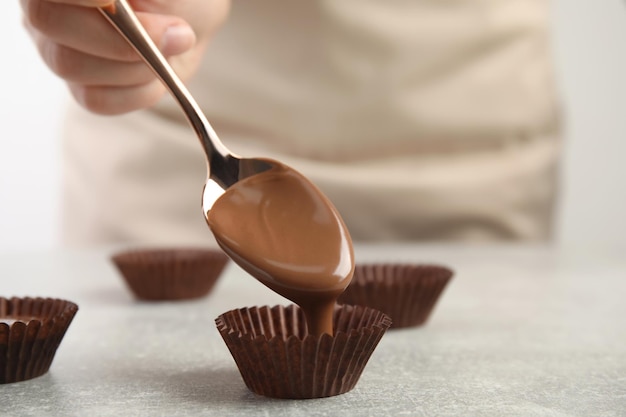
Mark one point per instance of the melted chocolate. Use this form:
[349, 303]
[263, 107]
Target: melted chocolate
[281, 229]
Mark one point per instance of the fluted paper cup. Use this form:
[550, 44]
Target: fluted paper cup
[278, 358]
[170, 274]
[407, 293]
[31, 330]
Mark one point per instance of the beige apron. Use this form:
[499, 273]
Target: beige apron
[419, 119]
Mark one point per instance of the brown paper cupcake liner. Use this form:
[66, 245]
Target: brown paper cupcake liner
[408, 293]
[278, 358]
[170, 274]
[31, 330]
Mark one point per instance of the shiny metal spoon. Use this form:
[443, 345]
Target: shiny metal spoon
[223, 167]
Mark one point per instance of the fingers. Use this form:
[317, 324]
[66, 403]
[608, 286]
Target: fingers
[61, 23]
[117, 100]
[77, 67]
[103, 72]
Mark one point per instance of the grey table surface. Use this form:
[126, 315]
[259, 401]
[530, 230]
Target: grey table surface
[520, 331]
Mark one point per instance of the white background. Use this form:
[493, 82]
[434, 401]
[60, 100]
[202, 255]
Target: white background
[590, 57]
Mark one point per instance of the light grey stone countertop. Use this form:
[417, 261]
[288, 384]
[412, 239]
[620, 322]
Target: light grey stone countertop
[519, 331]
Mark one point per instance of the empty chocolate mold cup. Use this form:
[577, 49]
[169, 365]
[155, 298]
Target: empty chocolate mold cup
[407, 293]
[31, 330]
[278, 358]
[170, 274]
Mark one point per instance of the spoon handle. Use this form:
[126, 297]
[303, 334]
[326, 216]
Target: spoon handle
[123, 18]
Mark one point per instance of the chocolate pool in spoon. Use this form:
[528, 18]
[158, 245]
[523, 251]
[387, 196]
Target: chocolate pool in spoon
[281, 229]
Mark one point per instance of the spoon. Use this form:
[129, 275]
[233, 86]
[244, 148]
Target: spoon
[224, 168]
[275, 224]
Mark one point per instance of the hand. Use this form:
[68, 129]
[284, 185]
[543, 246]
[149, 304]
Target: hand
[104, 74]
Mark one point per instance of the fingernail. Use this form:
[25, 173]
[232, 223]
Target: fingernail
[177, 39]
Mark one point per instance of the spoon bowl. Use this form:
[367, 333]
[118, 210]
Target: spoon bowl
[224, 168]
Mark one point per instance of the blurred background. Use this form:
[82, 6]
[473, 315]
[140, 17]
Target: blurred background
[589, 39]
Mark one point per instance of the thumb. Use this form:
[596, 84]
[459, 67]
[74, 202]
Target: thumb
[171, 34]
[177, 38]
